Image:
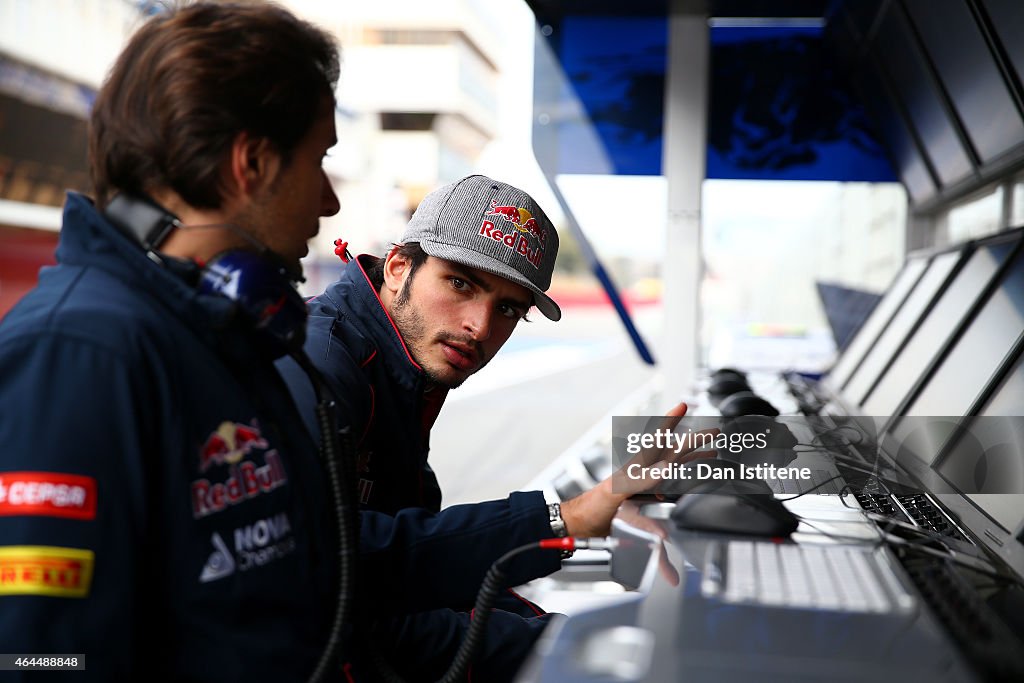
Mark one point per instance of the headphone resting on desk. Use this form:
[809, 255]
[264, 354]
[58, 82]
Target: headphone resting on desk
[260, 284]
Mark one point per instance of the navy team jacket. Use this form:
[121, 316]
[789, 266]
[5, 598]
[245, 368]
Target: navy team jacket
[386, 400]
[382, 391]
[384, 396]
[162, 507]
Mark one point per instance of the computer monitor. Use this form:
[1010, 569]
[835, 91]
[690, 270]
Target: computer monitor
[986, 460]
[876, 322]
[924, 345]
[971, 364]
[970, 74]
[901, 325]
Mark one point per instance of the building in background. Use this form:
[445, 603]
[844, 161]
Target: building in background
[420, 100]
[53, 57]
[418, 103]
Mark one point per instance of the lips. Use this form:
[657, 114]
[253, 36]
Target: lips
[460, 356]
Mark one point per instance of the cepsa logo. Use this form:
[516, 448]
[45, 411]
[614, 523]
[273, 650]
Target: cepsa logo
[45, 570]
[231, 444]
[523, 225]
[47, 494]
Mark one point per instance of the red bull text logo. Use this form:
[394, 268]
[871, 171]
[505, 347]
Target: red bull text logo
[244, 482]
[524, 225]
[229, 444]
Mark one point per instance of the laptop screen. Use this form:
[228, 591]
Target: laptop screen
[876, 322]
[970, 365]
[986, 461]
[900, 326]
[934, 332]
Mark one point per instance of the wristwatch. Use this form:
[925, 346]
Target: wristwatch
[558, 527]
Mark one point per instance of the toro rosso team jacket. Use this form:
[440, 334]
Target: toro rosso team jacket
[389, 405]
[162, 508]
[384, 396]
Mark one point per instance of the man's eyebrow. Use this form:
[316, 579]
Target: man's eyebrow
[468, 274]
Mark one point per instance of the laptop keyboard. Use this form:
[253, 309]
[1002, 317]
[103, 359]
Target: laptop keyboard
[992, 646]
[836, 578]
[916, 508]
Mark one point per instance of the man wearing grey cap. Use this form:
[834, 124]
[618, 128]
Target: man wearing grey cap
[392, 336]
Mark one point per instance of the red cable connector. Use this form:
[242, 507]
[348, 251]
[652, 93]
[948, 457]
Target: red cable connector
[341, 250]
[570, 543]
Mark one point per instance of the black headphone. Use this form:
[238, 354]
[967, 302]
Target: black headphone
[259, 283]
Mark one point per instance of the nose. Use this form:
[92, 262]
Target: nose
[478, 321]
[329, 204]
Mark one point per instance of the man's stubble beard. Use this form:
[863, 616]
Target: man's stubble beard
[412, 328]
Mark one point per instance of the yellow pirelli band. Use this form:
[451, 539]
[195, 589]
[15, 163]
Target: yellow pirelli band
[45, 570]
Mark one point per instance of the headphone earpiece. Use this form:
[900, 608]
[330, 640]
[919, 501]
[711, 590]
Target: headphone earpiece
[264, 294]
[259, 283]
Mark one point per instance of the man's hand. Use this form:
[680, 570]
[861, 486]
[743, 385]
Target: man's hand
[590, 514]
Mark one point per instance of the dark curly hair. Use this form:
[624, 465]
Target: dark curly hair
[194, 77]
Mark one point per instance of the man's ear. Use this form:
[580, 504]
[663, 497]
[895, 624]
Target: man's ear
[396, 270]
[253, 163]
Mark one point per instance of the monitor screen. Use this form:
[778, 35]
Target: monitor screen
[1008, 21]
[900, 326]
[969, 74]
[986, 462]
[899, 53]
[924, 345]
[970, 365]
[876, 322]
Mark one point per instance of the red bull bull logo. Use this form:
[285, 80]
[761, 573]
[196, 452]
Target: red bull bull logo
[229, 444]
[516, 238]
[522, 219]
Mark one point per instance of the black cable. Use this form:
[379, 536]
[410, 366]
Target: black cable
[336, 448]
[847, 461]
[493, 583]
[338, 455]
[810, 490]
[885, 525]
[877, 543]
[951, 556]
[838, 428]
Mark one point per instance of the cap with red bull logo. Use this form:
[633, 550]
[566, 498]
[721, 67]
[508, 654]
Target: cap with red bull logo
[495, 227]
[521, 218]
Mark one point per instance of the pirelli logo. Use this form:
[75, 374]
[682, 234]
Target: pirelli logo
[45, 570]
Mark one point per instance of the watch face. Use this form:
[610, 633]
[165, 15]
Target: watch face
[557, 523]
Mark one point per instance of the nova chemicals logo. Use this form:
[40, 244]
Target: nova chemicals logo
[255, 545]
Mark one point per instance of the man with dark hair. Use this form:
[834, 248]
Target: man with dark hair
[163, 511]
[392, 336]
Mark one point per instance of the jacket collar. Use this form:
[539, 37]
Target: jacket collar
[87, 238]
[354, 297]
